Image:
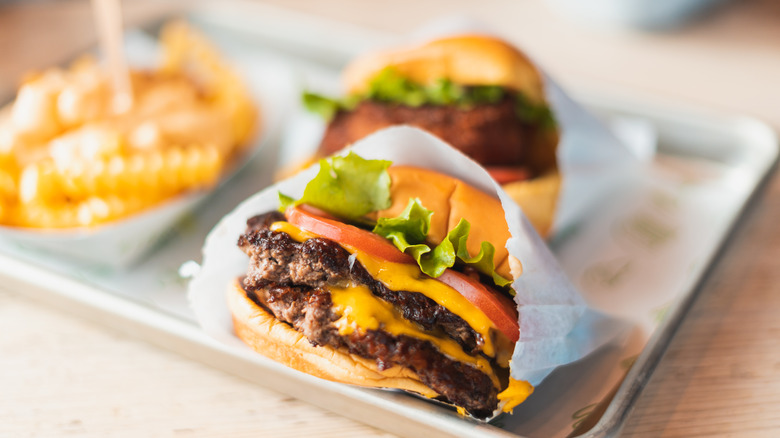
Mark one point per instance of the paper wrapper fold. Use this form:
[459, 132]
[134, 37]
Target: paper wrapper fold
[591, 159]
[553, 328]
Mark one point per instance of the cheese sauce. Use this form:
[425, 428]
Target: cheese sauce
[514, 394]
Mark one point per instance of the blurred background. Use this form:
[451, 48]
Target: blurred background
[714, 53]
[719, 55]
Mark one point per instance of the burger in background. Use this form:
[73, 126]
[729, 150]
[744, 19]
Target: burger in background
[477, 93]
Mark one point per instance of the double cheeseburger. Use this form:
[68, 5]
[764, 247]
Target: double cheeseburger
[386, 277]
[477, 93]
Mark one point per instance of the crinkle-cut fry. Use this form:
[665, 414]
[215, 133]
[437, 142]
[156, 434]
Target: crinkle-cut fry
[8, 137]
[201, 167]
[39, 215]
[154, 174]
[91, 211]
[96, 210]
[7, 185]
[86, 143]
[70, 163]
[85, 98]
[244, 117]
[185, 49]
[7, 161]
[6, 210]
[38, 182]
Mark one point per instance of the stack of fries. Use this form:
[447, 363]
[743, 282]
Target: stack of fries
[67, 159]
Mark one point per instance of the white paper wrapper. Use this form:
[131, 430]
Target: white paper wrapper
[549, 306]
[591, 159]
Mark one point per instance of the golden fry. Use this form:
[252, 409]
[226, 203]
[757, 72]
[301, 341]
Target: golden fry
[164, 173]
[7, 185]
[68, 160]
[89, 212]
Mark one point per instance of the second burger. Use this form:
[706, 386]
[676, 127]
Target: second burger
[478, 93]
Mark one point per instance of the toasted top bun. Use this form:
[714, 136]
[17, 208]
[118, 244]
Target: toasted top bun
[537, 197]
[463, 59]
[282, 343]
[451, 199]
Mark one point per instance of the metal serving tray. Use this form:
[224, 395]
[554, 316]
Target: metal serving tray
[699, 149]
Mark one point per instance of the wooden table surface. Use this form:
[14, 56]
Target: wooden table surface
[60, 375]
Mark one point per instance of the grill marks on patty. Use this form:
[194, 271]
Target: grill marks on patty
[289, 279]
[466, 129]
[276, 257]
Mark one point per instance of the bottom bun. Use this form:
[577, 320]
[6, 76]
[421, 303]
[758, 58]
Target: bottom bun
[282, 343]
[538, 198]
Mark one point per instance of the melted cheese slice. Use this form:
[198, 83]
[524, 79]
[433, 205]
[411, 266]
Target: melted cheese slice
[361, 310]
[406, 277]
[514, 394]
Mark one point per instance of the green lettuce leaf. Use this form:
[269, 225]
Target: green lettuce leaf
[347, 187]
[482, 262]
[410, 227]
[409, 230]
[324, 106]
[327, 107]
[389, 86]
[534, 114]
[485, 94]
[285, 202]
[351, 187]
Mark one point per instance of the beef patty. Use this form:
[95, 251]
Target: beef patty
[289, 279]
[491, 134]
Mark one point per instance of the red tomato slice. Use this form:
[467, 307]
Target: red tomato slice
[500, 309]
[346, 234]
[317, 212]
[497, 307]
[508, 174]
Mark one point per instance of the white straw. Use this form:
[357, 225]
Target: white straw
[108, 17]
